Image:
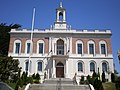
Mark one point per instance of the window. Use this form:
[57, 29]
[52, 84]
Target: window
[17, 49]
[80, 67]
[39, 66]
[28, 48]
[104, 67]
[79, 46]
[40, 48]
[92, 66]
[60, 47]
[103, 47]
[91, 48]
[103, 50]
[26, 66]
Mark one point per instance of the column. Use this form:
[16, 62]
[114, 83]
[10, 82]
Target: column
[53, 74]
[66, 74]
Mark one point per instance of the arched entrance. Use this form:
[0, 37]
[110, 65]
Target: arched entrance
[60, 70]
[60, 47]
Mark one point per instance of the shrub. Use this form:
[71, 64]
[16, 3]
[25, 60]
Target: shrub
[98, 84]
[33, 76]
[94, 75]
[82, 80]
[20, 83]
[36, 81]
[88, 77]
[117, 83]
[103, 77]
[112, 77]
[37, 76]
[29, 80]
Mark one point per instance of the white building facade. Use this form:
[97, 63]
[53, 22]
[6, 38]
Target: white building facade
[62, 51]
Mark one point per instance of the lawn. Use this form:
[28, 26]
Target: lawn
[109, 86]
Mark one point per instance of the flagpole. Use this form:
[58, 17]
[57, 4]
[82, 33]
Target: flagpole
[31, 38]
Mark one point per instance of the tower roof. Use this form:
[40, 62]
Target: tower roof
[60, 7]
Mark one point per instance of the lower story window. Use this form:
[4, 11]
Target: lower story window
[39, 66]
[80, 67]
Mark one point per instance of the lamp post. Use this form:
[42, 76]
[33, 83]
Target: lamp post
[118, 53]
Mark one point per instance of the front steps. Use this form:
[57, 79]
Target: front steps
[58, 84]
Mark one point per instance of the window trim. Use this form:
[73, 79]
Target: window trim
[91, 42]
[28, 65]
[14, 49]
[40, 41]
[107, 66]
[82, 66]
[79, 42]
[103, 42]
[94, 65]
[28, 41]
[37, 65]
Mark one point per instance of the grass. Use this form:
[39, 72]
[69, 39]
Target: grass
[12, 85]
[109, 86]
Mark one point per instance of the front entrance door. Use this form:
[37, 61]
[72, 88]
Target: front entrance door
[60, 70]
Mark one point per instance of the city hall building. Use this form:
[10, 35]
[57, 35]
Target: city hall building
[61, 51]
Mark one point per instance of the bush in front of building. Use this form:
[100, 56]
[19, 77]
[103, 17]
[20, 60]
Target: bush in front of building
[36, 78]
[103, 77]
[98, 84]
[82, 81]
[117, 83]
[113, 77]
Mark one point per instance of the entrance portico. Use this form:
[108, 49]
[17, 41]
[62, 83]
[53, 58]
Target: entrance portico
[60, 66]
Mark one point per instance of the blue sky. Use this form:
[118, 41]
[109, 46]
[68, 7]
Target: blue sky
[81, 14]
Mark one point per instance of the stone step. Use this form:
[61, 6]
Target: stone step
[57, 87]
[59, 80]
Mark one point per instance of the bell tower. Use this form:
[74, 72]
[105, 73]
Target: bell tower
[60, 22]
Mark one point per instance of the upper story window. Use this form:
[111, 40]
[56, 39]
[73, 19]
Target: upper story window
[91, 47]
[79, 45]
[60, 47]
[17, 50]
[39, 66]
[92, 66]
[103, 49]
[28, 47]
[40, 47]
[17, 46]
[80, 67]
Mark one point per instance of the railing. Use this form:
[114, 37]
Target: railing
[59, 87]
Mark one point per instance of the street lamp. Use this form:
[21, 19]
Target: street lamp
[118, 53]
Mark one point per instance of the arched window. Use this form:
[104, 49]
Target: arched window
[80, 67]
[103, 47]
[39, 66]
[92, 66]
[17, 46]
[61, 16]
[104, 67]
[91, 47]
[40, 47]
[79, 47]
[60, 47]
[27, 66]
[28, 46]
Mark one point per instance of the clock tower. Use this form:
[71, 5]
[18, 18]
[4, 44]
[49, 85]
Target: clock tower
[60, 22]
